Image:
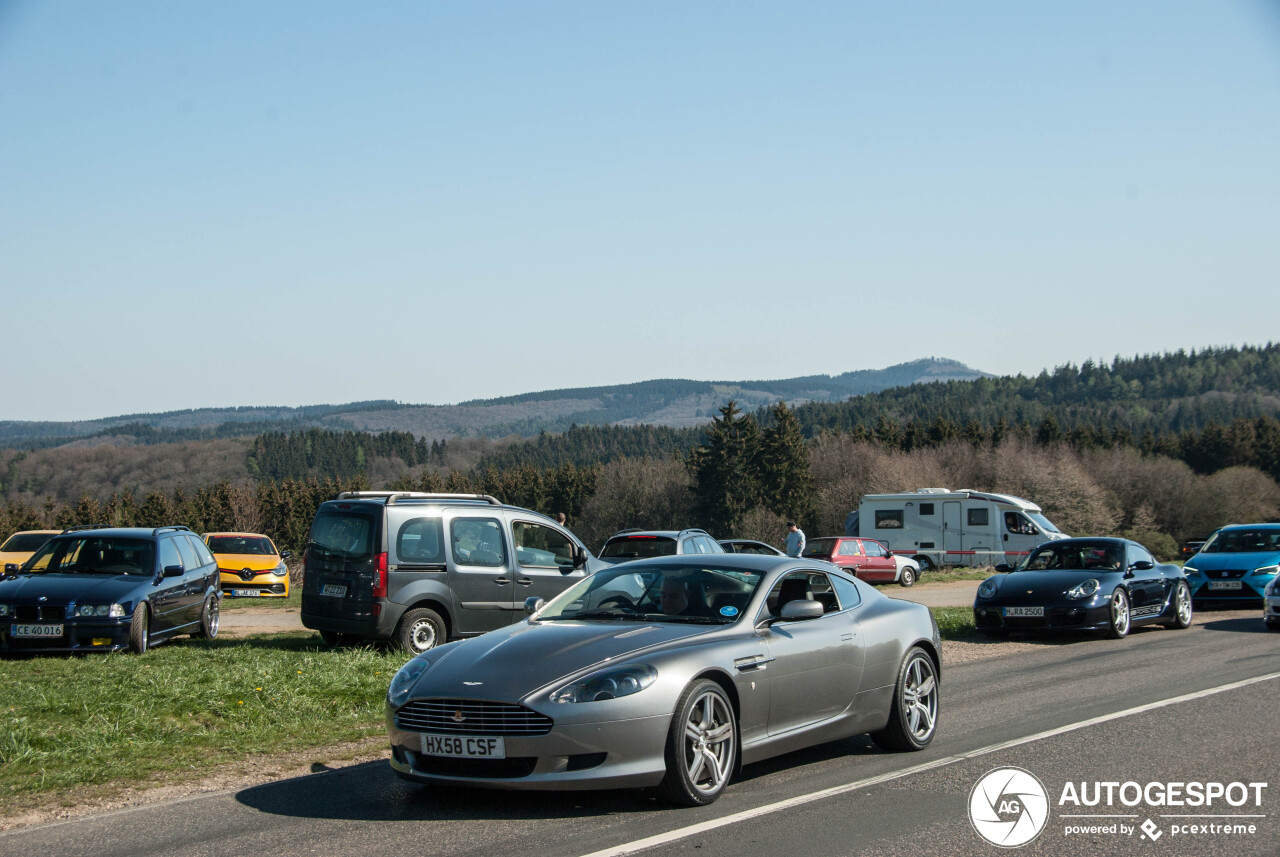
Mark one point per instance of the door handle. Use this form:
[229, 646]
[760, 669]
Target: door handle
[846, 637]
[502, 580]
[524, 581]
[754, 662]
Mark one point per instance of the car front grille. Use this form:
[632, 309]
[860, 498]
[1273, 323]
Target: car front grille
[1226, 573]
[471, 717]
[40, 613]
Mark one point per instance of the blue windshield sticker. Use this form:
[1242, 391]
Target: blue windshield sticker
[728, 611]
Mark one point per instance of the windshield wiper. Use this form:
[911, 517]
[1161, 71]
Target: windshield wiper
[598, 614]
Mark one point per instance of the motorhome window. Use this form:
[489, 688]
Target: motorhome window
[926, 508]
[1018, 525]
[1045, 523]
[888, 519]
[420, 541]
[979, 518]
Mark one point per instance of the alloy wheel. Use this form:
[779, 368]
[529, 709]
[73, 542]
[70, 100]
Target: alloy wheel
[709, 743]
[1120, 613]
[920, 698]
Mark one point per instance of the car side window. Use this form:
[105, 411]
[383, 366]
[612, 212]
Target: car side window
[420, 541]
[478, 541]
[802, 586]
[189, 559]
[1137, 554]
[539, 546]
[169, 553]
[849, 549]
[202, 551]
[847, 591]
[873, 549]
[706, 545]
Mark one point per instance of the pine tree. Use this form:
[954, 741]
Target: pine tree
[724, 470]
[785, 483]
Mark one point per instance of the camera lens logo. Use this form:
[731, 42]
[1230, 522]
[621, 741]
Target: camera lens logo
[1008, 807]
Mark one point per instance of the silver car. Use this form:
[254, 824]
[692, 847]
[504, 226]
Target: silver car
[669, 672]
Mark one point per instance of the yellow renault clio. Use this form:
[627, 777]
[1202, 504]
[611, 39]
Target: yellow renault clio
[19, 547]
[249, 565]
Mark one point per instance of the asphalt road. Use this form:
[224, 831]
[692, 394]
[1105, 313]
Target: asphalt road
[880, 803]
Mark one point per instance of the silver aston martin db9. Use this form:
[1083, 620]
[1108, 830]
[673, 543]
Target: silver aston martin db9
[670, 672]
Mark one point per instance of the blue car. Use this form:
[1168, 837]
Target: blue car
[100, 590]
[1235, 565]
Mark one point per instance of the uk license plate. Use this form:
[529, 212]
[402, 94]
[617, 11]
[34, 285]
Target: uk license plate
[464, 746]
[334, 589]
[1024, 611]
[246, 593]
[35, 631]
[1225, 584]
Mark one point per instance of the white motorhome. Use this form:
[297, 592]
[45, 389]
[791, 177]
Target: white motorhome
[937, 526]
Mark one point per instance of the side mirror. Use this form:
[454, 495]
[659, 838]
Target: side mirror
[286, 554]
[800, 611]
[533, 604]
[1004, 568]
[1142, 565]
[10, 568]
[578, 560]
[172, 571]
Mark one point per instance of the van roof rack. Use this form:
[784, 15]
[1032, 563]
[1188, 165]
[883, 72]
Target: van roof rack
[175, 529]
[393, 497]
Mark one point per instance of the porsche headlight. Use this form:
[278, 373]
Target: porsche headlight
[1266, 569]
[987, 589]
[607, 684]
[1084, 590]
[404, 681]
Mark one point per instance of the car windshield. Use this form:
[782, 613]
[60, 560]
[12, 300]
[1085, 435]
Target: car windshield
[20, 542]
[1243, 541]
[639, 547]
[1043, 522]
[694, 594]
[819, 547]
[95, 555]
[1076, 556]
[250, 545]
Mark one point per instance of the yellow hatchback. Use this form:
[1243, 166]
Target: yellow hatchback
[249, 565]
[20, 546]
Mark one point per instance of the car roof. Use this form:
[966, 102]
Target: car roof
[1272, 526]
[671, 534]
[238, 535]
[124, 532]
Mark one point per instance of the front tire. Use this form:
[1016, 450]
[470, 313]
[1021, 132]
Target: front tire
[913, 717]
[702, 746]
[907, 577]
[1120, 619]
[139, 627]
[1182, 608]
[419, 630]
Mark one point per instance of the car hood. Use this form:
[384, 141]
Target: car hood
[1250, 561]
[254, 562]
[1046, 584]
[513, 662]
[65, 588]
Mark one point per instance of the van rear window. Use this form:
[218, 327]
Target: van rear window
[345, 535]
[640, 547]
[420, 541]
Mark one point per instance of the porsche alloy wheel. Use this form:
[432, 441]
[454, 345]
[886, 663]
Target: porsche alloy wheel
[1119, 614]
[702, 747]
[1181, 606]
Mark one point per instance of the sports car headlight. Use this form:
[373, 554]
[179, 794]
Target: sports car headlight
[607, 684]
[4, 610]
[280, 570]
[987, 589]
[1267, 569]
[1083, 590]
[1190, 570]
[404, 681]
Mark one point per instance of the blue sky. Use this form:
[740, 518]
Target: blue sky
[243, 203]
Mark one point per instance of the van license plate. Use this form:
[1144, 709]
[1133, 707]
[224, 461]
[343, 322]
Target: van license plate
[1225, 584]
[334, 589]
[464, 746]
[1024, 611]
[35, 631]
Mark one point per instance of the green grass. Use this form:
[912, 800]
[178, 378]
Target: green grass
[949, 574]
[191, 705]
[955, 623]
[292, 602]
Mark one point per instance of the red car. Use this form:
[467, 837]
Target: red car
[867, 559]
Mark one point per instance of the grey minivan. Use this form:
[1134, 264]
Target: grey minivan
[420, 569]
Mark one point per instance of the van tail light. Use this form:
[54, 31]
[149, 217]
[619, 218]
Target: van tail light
[380, 580]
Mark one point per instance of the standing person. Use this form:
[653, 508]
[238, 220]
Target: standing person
[795, 539]
[560, 519]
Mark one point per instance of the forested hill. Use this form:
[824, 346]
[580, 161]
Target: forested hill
[670, 403]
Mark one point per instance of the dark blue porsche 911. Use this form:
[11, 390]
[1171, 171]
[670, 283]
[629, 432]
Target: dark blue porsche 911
[98, 590]
[1084, 584]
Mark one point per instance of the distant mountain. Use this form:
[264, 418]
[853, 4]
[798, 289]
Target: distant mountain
[674, 403]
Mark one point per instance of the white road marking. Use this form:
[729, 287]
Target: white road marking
[800, 800]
